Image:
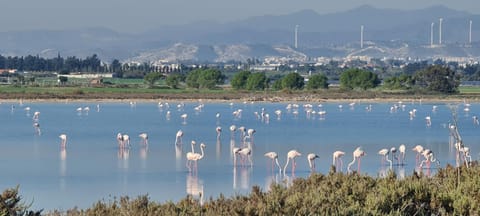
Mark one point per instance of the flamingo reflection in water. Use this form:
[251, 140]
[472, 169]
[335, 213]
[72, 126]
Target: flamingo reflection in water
[194, 188]
[245, 173]
[144, 138]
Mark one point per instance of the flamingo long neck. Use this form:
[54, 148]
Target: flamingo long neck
[278, 164]
[351, 163]
[201, 155]
[286, 164]
[334, 160]
[389, 161]
[193, 149]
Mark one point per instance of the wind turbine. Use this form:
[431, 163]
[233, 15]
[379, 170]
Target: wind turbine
[440, 31]
[361, 36]
[296, 36]
[431, 34]
[470, 33]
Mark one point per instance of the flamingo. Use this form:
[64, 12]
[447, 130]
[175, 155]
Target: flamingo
[292, 154]
[36, 125]
[402, 149]
[219, 132]
[274, 157]
[190, 154]
[429, 157]
[246, 153]
[233, 128]
[196, 157]
[120, 140]
[419, 150]
[184, 117]
[384, 152]
[144, 137]
[249, 136]
[475, 120]
[428, 121]
[393, 150]
[178, 137]
[358, 153]
[311, 161]
[36, 115]
[63, 138]
[126, 140]
[337, 157]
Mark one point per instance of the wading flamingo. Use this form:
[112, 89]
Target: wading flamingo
[274, 157]
[178, 138]
[233, 128]
[191, 154]
[311, 161]
[291, 155]
[402, 149]
[120, 140]
[63, 138]
[196, 157]
[219, 132]
[144, 137]
[126, 140]
[419, 150]
[384, 153]
[357, 154]
[337, 159]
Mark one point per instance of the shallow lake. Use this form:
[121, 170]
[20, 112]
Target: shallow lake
[92, 167]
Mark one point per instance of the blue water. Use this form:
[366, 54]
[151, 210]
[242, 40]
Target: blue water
[92, 167]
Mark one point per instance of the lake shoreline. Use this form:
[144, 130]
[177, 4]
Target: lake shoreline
[242, 97]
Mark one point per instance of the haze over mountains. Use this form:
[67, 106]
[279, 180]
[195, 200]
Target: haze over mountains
[388, 32]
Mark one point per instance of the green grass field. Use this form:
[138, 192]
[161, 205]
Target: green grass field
[469, 89]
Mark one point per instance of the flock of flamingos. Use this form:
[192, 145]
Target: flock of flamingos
[424, 157]
[242, 154]
[246, 138]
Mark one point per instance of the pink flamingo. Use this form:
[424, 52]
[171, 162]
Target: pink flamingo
[63, 138]
[178, 138]
[402, 149]
[292, 154]
[233, 128]
[219, 132]
[196, 157]
[274, 157]
[357, 154]
[337, 159]
[384, 152]
[419, 150]
[144, 137]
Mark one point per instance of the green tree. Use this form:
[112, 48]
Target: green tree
[257, 81]
[317, 81]
[152, 78]
[293, 81]
[62, 80]
[239, 80]
[438, 78]
[173, 80]
[399, 82]
[356, 78]
[277, 84]
[210, 78]
[204, 78]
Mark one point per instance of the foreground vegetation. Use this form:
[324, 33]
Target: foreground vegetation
[452, 191]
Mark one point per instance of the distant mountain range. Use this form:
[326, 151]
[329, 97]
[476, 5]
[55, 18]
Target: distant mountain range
[388, 32]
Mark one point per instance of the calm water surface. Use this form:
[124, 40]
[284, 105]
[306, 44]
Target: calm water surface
[92, 167]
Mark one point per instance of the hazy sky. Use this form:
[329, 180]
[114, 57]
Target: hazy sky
[141, 15]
